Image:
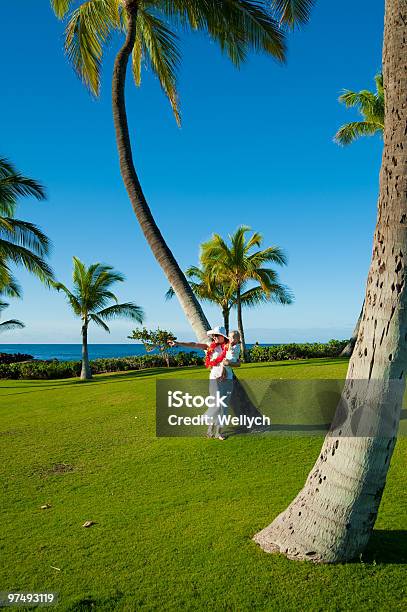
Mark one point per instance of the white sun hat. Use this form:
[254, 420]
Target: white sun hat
[219, 330]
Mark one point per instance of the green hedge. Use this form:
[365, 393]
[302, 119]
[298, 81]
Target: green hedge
[68, 369]
[333, 348]
[38, 370]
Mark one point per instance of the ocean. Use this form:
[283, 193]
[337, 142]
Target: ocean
[72, 352]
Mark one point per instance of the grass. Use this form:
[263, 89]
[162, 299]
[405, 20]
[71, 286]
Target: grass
[173, 517]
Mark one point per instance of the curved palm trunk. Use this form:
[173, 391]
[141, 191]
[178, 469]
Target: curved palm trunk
[348, 350]
[162, 253]
[86, 373]
[332, 518]
[240, 325]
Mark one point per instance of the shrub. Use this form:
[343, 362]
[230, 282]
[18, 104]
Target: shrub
[333, 348]
[68, 369]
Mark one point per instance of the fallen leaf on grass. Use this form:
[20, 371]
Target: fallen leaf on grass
[88, 523]
[45, 506]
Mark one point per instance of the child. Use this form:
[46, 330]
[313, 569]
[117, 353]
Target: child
[232, 355]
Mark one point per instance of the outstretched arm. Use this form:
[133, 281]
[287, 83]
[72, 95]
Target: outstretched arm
[197, 345]
[232, 364]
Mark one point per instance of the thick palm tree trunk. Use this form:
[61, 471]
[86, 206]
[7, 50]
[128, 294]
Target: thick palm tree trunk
[331, 519]
[86, 373]
[348, 350]
[240, 325]
[161, 252]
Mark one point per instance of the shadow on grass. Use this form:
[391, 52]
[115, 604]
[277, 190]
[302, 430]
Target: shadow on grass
[297, 362]
[388, 547]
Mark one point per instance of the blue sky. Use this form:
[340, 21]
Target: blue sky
[255, 148]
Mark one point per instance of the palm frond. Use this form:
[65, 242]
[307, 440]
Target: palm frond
[127, 309]
[21, 256]
[169, 294]
[61, 7]
[72, 299]
[14, 185]
[98, 321]
[350, 132]
[25, 234]
[11, 324]
[293, 12]
[161, 45]
[87, 31]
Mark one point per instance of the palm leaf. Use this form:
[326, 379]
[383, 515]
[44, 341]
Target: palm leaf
[99, 322]
[350, 132]
[127, 309]
[11, 324]
[293, 12]
[88, 29]
[161, 48]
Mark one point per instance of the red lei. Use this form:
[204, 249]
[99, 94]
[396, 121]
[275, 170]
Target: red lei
[210, 363]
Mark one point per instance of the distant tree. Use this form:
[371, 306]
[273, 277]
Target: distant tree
[237, 264]
[89, 300]
[207, 288]
[155, 340]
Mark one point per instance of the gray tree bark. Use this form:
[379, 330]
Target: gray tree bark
[332, 517]
[86, 373]
[348, 350]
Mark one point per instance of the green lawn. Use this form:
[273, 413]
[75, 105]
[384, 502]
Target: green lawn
[174, 517]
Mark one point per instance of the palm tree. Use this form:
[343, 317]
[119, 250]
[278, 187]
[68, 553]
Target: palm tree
[239, 26]
[21, 243]
[238, 264]
[89, 300]
[11, 323]
[332, 517]
[370, 106]
[207, 289]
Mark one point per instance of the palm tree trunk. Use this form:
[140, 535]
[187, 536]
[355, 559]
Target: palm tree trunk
[226, 313]
[332, 518]
[86, 373]
[240, 325]
[348, 350]
[162, 253]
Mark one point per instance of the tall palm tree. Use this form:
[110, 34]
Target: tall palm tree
[370, 106]
[89, 300]
[149, 26]
[238, 264]
[11, 323]
[222, 293]
[21, 243]
[332, 517]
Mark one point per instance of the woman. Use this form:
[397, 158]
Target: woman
[221, 374]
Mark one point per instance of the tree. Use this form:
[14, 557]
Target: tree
[238, 264]
[155, 340]
[12, 323]
[239, 26]
[21, 243]
[89, 300]
[207, 288]
[332, 517]
[370, 106]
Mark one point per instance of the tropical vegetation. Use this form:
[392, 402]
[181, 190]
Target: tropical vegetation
[89, 300]
[21, 243]
[371, 107]
[237, 264]
[150, 29]
[11, 323]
